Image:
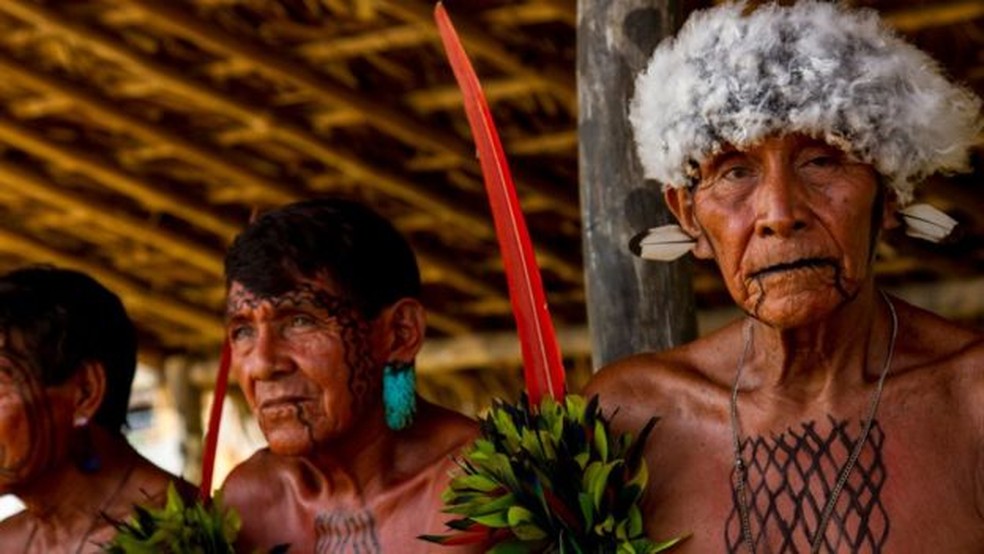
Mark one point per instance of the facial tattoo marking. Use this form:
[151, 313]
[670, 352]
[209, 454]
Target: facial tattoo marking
[354, 331]
[838, 284]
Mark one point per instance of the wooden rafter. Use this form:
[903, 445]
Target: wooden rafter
[935, 14]
[257, 117]
[136, 296]
[388, 119]
[154, 198]
[258, 187]
[478, 41]
[36, 186]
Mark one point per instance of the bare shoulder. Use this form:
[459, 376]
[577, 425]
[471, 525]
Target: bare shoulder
[257, 481]
[930, 343]
[153, 482]
[665, 383]
[936, 354]
[441, 428]
[431, 443]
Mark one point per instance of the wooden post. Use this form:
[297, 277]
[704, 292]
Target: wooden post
[188, 403]
[634, 305]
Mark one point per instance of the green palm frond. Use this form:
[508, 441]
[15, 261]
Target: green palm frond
[551, 478]
[177, 528]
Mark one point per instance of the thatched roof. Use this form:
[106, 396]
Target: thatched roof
[137, 136]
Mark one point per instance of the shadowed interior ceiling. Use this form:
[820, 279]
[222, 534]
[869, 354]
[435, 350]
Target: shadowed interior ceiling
[137, 137]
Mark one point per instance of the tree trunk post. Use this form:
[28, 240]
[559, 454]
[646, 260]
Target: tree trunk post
[634, 305]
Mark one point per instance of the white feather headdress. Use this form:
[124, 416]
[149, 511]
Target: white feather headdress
[815, 68]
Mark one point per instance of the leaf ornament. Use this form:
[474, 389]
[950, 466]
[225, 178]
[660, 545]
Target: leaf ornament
[551, 478]
[177, 528]
[543, 369]
[925, 222]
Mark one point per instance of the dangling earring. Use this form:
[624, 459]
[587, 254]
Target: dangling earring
[399, 394]
[925, 222]
[83, 451]
[664, 244]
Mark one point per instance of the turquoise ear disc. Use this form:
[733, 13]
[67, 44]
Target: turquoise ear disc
[399, 394]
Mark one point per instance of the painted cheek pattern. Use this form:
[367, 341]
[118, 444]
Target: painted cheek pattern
[355, 340]
[353, 329]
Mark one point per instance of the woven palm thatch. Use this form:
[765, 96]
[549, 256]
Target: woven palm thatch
[137, 137]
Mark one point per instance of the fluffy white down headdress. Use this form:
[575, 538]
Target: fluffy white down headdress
[815, 68]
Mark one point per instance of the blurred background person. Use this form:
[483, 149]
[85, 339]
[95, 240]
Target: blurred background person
[67, 360]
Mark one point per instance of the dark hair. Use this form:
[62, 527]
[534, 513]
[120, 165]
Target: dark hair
[66, 318]
[344, 240]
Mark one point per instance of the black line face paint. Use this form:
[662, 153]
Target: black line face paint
[790, 477]
[306, 359]
[789, 222]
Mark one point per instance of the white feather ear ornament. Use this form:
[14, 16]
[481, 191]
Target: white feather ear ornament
[664, 244]
[925, 222]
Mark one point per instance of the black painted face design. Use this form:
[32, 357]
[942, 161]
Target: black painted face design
[305, 361]
[789, 222]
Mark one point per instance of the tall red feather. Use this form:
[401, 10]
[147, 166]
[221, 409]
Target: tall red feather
[543, 369]
[214, 422]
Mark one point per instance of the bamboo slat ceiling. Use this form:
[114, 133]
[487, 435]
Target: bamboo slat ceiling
[136, 137]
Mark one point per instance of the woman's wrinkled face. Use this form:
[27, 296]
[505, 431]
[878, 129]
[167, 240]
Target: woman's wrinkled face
[35, 421]
[305, 361]
[789, 223]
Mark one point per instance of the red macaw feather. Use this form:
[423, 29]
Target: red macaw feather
[214, 422]
[542, 364]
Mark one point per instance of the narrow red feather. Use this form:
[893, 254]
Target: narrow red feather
[543, 369]
[215, 422]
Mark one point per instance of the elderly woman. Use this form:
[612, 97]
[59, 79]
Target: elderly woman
[67, 359]
[832, 417]
[324, 324]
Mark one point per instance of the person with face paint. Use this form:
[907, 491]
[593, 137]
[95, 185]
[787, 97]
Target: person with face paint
[67, 359]
[833, 417]
[324, 324]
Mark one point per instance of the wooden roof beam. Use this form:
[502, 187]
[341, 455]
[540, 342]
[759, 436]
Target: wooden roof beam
[538, 11]
[388, 119]
[449, 97]
[165, 15]
[114, 178]
[476, 224]
[136, 296]
[477, 40]
[399, 36]
[935, 14]
[38, 187]
[110, 115]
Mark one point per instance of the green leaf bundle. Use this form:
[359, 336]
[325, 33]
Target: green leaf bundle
[551, 478]
[177, 528]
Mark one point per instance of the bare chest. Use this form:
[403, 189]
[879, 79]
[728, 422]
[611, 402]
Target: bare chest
[801, 489]
[328, 522]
